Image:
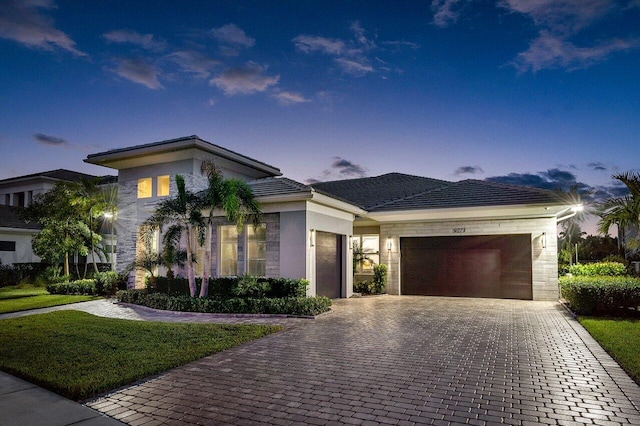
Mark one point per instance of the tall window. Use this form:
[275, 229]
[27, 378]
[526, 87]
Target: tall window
[228, 250]
[144, 188]
[163, 186]
[366, 252]
[257, 250]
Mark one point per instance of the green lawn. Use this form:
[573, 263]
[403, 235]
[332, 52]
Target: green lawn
[13, 299]
[79, 355]
[620, 338]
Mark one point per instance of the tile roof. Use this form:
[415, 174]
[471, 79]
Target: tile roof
[277, 186]
[372, 191]
[62, 174]
[9, 219]
[473, 193]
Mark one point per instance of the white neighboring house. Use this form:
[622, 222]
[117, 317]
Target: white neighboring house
[19, 192]
[469, 238]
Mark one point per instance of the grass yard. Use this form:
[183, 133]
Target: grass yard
[620, 338]
[14, 299]
[79, 355]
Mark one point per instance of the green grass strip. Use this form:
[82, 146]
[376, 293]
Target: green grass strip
[620, 338]
[79, 355]
[14, 299]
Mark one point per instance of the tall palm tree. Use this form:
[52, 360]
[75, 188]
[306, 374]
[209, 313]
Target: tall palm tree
[238, 203]
[88, 197]
[623, 211]
[182, 216]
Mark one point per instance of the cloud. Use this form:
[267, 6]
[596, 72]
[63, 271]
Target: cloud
[446, 12]
[138, 71]
[146, 41]
[309, 44]
[289, 98]
[232, 39]
[356, 67]
[312, 181]
[50, 140]
[597, 166]
[468, 170]
[549, 51]
[244, 80]
[21, 21]
[194, 62]
[347, 168]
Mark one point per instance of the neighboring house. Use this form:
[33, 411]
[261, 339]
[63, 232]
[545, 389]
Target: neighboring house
[469, 238]
[19, 192]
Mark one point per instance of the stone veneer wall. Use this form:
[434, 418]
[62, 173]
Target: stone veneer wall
[544, 260]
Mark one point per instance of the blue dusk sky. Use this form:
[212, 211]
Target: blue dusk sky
[535, 92]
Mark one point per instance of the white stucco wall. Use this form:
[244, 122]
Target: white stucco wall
[544, 259]
[23, 252]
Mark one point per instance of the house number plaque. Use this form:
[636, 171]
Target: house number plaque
[459, 230]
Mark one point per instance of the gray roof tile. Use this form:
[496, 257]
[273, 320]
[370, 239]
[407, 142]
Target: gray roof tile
[9, 219]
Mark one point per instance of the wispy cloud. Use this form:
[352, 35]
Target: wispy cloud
[309, 44]
[194, 62]
[146, 41]
[348, 168]
[446, 12]
[139, 71]
[244, 80]
[597, 166]
[232, 39]
[49, 140]
[23, 21]
[468, 170]
[289, 98]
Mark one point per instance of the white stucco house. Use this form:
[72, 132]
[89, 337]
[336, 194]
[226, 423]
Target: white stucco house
[468, 238]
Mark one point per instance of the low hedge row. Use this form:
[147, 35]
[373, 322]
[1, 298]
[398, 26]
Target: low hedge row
[602, 295]
[103, 283]
[228, 287]
[598, 269]
[182, 303]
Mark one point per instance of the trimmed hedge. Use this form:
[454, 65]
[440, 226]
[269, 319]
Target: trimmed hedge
[230, 287]
[87, 287]
[236, 305]
[602, 295]
[598, 269]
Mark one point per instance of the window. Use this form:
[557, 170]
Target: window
[7, 246]
[366, 252]
[144, 188]
[228, 250]
[163, 186]
[257, 250]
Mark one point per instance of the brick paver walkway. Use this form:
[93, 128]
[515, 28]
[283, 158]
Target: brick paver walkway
[398, 360]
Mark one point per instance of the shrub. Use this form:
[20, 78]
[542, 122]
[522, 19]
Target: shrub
[602, 295]
[598, 269]
[249, 286]
[380, 278]
[363, 287]
[287, 287]
[286, 306]
[230, 287]
[107, 282]
[86, 287]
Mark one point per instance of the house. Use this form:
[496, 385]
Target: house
[19, 192]
[469, 238]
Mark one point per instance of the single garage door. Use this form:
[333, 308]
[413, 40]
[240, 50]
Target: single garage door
[497, 266]
[328, 264]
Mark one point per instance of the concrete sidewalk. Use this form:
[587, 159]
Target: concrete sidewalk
[23, 403]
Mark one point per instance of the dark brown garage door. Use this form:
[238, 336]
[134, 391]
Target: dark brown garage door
[479, 266]
[328, 264]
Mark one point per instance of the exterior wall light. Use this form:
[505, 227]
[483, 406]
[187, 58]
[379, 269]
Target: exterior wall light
[388, 244]
[312, 238]
[544, 240]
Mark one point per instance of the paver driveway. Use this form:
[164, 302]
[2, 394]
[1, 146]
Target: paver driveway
[398, 360]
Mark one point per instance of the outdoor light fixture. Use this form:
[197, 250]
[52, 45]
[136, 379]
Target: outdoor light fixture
[544, 240]
[312, 238]
[389, 244]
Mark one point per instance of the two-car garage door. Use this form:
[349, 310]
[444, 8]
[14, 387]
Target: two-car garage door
[497, 266]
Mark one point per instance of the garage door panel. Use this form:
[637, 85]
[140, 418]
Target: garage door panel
[477, 266]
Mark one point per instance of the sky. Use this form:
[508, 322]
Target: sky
[542, 93]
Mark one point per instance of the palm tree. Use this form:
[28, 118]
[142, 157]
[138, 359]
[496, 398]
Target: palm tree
[182, 216]
[623, 211]
[88, 197]
[235, 198]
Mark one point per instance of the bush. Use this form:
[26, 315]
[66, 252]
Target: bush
[230, 287]
[598, 269]
[251, 287]
[107, 282]
[602, 295]
[85, 287]
[286, 306]
[380, 278]
[363, 287]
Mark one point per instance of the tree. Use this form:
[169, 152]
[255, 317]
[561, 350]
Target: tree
[238, 203]
[64, 230]
[182, 216]
[90, 199]
[623, 211]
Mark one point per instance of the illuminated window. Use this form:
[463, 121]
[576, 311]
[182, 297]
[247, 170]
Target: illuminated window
[366, 252]
[228, 250]
[257, 250]
[163, 186]
[144, 188]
